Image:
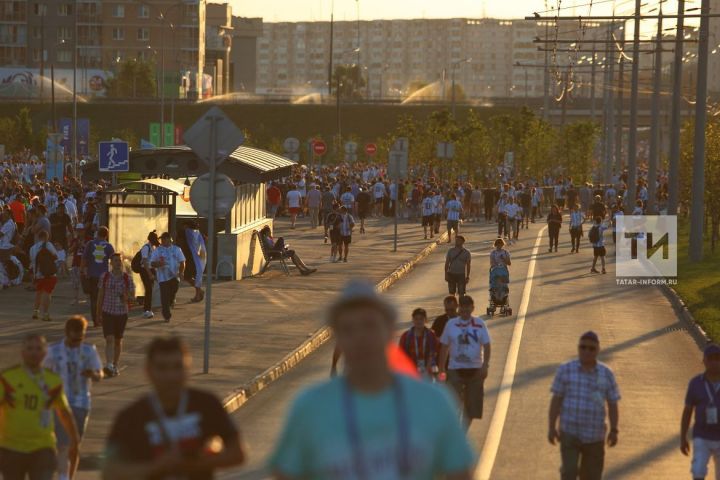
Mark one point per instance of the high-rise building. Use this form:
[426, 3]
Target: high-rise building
[487, 57]
[35, 34]
[244, 53]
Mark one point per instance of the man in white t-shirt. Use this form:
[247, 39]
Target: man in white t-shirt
[466, 342]
[294, 201]
[454, 211]
[169, 263]
[78, 364]
[379, 196]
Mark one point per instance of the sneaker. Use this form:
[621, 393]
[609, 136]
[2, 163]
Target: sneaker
[326, 239]
[109, 371]
[592, 270]
[148, 314]
[115, 371]
[46, 317]
[36, 315]
[603, 271]
[345, 260]
[167, 320]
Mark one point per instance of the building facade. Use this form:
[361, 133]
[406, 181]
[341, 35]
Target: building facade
[487, 57]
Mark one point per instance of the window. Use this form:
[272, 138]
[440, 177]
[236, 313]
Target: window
[64, 56]
[143, 11]
[36, 55]
[64, 33]
[118, 33]
[118, 11]
[143, 34]
[64, 10]
[36, 33]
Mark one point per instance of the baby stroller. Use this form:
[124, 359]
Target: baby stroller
[499, 291]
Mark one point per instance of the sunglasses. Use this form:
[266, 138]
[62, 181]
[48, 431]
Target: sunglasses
[589, 348]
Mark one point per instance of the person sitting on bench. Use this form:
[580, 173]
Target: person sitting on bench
[275, 248]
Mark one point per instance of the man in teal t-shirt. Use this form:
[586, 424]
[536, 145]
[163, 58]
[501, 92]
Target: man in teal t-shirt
[371, 423]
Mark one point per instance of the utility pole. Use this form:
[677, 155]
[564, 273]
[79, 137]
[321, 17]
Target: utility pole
[620, 109]
[330, 62]
[566, 92]
[162, 79]
[674, 171]
[546, 79]
[610, 150]
[655, 124]
[698, 180]
[632, 140]
[75, 65]
[592, 87]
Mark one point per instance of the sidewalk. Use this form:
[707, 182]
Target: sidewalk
[256, 321]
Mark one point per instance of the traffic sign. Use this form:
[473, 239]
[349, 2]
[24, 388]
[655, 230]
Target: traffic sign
[319, 147]
[291, 145]
[351, 148]
[398, 159]
[371, 149]
[114, 156]
[225, 195]
[227, 136]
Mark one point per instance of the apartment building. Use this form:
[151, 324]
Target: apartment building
[487, 57]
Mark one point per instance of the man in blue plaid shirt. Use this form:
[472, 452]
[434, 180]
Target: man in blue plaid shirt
[580, 390]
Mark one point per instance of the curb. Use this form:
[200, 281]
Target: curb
[238, 397]
[694, 329]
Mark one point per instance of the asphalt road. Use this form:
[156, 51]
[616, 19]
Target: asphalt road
[642, 340]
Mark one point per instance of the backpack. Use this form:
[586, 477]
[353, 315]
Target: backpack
[594, 234]
[136, 263]
[45, 262]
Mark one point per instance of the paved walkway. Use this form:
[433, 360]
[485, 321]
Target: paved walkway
[256, 322]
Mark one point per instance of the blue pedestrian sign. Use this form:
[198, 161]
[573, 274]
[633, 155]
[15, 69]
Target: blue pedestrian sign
[114, 156]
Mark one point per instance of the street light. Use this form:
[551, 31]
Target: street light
[453, 67]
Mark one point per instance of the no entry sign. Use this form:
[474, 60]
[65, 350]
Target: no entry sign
[319, 147]
[371, 149]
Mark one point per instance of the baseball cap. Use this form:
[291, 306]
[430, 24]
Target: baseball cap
[360, 292]
[712, 349]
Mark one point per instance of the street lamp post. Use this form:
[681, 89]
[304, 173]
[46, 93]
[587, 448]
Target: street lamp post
[453, 67]
[75, 62]
[673, 180]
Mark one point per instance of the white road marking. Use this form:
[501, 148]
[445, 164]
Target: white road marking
[492, 440]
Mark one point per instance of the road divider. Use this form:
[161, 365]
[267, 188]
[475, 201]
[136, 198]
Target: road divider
[497, 423]
[240, 396]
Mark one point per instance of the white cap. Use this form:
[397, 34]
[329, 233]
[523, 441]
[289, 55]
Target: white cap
[360, 292]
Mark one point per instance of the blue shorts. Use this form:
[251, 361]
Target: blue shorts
[81, 418]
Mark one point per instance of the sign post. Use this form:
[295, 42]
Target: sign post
[319, 148]
[212, 138]
[397, 170]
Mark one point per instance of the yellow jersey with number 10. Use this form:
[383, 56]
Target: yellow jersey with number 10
[26, 405]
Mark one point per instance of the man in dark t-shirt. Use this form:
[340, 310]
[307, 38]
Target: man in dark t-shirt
[450, 304]
[167, 433]
[364, 200]
[60, 226]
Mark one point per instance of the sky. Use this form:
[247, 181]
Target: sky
[311, 10]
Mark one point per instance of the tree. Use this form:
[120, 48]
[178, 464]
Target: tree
[473, 148]
[352, 83]
[575, 150]
[537, 147]
[133, 79]
[24, 130]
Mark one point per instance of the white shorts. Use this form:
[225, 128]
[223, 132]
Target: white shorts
[702, 451]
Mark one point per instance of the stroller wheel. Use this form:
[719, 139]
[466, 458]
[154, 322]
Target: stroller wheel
[509, 311]
[489, 312]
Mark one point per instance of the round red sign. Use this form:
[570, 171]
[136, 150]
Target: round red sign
[319, 147]
[371, 149]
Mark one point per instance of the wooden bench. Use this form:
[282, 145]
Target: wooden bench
[272, 256]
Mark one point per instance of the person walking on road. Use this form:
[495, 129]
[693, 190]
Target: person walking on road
[115, 292]
[450, 307]
[453, 210]
[294, 202]
[79, 365]
[420, 344]
[457, 267]
[95, 265]
[364, 206]
[169, 263]
[702, 399]
[577, 218]
[379, 194]
[166, 434]
[328, 206]
[29, 394]
[195, 242]
[513, 214]
[554, 221]
[597, 238]
[313, 200]
[346, 226]
[466, 343]
[43, 256]
[489, 203]
[502, 217]
[428, 215]
[147, 273]
[370, 423]
[581, 390]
